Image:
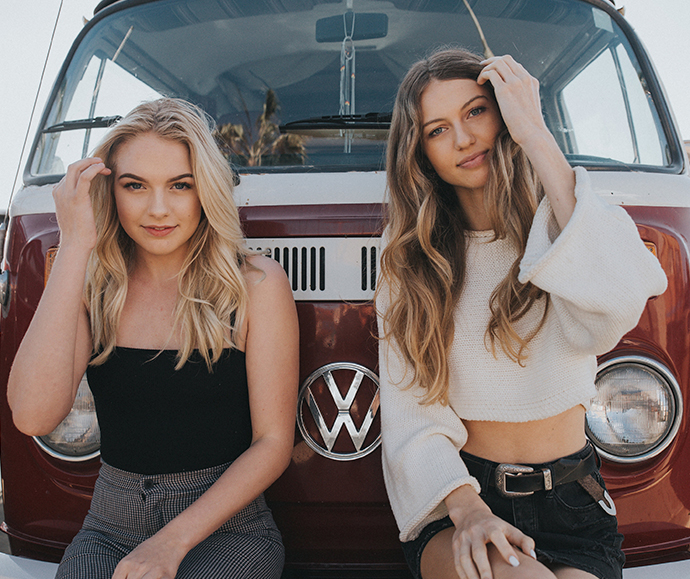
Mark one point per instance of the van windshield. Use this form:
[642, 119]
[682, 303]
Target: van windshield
[305, 85]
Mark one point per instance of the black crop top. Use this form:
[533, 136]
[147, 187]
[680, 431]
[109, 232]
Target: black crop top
[157, 420]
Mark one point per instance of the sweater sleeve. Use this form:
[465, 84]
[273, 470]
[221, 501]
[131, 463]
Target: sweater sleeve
[597, 271]
[420, 443]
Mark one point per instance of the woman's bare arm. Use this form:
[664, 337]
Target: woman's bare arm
[55, 351]
[517, 93]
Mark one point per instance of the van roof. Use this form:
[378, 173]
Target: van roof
[105, 3]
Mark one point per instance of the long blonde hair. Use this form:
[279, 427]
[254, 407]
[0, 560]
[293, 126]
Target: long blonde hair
[212, 297]
[423, 264]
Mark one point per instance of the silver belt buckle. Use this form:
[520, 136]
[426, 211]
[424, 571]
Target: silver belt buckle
[505, 470]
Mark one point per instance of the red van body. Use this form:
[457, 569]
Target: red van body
[313, 199]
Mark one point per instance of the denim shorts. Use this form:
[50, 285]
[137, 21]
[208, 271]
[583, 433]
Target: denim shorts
[568, 526]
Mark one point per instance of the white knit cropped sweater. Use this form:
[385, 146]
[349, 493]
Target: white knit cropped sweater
[599, 276]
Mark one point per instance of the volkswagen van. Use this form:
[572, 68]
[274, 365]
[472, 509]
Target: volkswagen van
[302, 92]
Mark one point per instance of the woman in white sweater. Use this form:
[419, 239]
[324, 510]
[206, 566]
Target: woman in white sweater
[503, 276]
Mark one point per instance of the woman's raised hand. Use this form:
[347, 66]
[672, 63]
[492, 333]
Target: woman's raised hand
[41, 390]
[517, 94]
[476, 527]
[73, 203]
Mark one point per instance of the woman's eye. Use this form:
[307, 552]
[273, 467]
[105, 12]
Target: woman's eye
[436, 131]
[133, 186]
[477, 111]
[181, 186]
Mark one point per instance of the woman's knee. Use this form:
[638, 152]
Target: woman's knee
[233, 556]
[437, 557]
[438, 561]
[527, 569]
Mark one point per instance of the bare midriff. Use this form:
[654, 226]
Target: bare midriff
[533, 442]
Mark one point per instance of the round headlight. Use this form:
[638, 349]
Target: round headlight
[637, 409]
[78, 436]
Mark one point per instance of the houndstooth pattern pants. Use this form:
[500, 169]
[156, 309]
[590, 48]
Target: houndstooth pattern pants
[128, 508]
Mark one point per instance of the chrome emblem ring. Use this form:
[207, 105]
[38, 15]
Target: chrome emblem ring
[328, 405]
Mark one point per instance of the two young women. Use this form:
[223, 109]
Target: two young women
[503, 276]
[154, 294]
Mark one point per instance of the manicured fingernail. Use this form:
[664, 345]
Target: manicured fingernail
[514, 561]
[534, 555]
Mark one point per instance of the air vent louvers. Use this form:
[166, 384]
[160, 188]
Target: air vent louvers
[326, 268]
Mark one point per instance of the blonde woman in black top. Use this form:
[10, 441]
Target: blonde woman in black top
[155, 293]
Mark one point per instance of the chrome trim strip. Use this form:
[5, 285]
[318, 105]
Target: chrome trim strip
[67, 458]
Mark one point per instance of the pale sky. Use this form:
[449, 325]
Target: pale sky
[663, 26]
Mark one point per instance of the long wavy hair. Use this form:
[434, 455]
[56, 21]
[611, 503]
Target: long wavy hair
[423, 263]
[213, 295]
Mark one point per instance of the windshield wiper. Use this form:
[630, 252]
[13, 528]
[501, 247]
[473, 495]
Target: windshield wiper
[93, 123]
[366, 121]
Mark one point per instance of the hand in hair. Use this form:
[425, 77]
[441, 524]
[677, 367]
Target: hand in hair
[41, 390]
[476, 527]
[517, 94]
[73, 203]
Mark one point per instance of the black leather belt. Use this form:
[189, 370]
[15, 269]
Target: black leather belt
[519, 480]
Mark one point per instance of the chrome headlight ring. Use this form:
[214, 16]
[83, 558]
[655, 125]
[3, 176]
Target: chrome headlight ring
[637, 411]
[77, 438]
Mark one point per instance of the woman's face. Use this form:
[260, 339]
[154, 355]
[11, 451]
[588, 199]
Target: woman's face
[460, 123]
[156, 195]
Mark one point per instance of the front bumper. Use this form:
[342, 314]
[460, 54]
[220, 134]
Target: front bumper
[676, 570]
[20, 568]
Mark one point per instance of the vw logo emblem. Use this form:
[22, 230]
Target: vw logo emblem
[330, 408]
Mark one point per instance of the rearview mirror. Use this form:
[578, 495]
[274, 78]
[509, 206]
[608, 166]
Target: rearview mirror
[367, 25]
